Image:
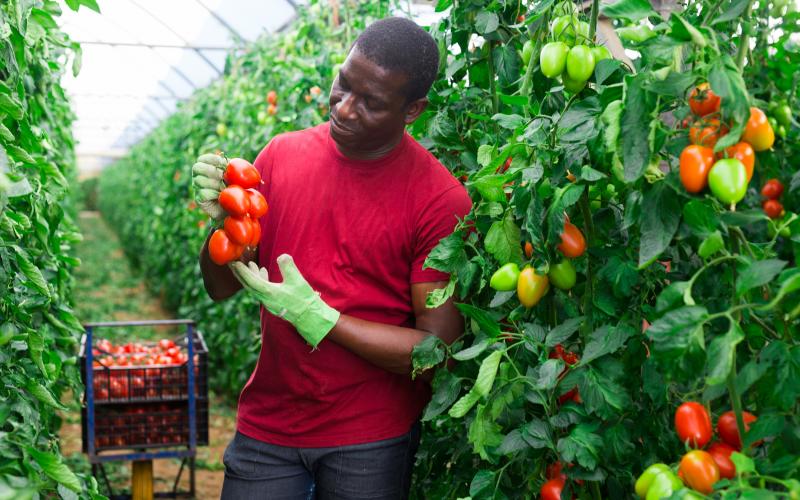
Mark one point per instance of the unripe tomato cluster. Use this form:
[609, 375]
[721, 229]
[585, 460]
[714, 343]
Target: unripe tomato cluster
[698, 469]
[532, 286]
[568, 57]
[772, 191]
[780, 117]
[244, 205]
[727, 173]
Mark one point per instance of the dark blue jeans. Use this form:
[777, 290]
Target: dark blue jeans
[379, 470]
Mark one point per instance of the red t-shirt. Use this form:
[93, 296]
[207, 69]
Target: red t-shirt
[359, 232]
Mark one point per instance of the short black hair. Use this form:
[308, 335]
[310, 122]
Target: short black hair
[399, 44]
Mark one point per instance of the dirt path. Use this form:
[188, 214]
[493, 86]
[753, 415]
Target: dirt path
[107, 289]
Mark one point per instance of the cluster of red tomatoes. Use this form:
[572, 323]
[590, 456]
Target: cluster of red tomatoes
[161, 373]
[244, 205]
[772, 191]
[141, 425]
[553, 487]
[570, 359]
[699, 469]
[727, 173]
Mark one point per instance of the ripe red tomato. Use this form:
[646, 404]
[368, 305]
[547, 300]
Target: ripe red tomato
[721, 453]
[707, 132]
[758, 132]
[703, 101]
[234, 200]
[773, 208]
[551, 490]
[772, 190]
[571, 395]
[272, 97]
[528, 249]
[255, 233]
[695, 162]
[241, 172]
[239, 229]
[502, 168]
[729, 432]
[258, 205]
[553, 470]
[743, 152]
[221, 249]
[119, 387]
[572, 242]
[699, 471]
[693, 424]
[165, 344]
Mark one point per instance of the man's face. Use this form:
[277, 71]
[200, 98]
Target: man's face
[368, 106]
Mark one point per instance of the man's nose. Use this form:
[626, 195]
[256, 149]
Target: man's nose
[345, 110]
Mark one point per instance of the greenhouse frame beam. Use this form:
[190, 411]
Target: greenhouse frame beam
[222, 22]
[171, 30]
[155, 45]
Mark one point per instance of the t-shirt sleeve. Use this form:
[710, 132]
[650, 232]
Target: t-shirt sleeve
[437, 221]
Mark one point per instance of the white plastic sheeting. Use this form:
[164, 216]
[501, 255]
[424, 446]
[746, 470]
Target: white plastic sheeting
[141, 57]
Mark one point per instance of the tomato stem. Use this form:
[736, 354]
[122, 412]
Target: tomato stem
[587, 296]
[492, 90]
[593, 21]
[744, 41]
[736, 400]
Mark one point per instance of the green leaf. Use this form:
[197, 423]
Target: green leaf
[537, 434]
[582, 446]
[484, 432]
[507, 64]
[757, 273]
[485, 153]
[485, 322]
[660, 220]
[563, 331]
[448, 255]
[731, 11]
[446, 387]
[34, 275]
[11, 106]
[563, 199]
[674, 85]
[726, 81]
[602, 394]
[486, 22]
[611, 118]
[52, 466]
[672, 334]
[590, 174]
[427, 354]
[767, 425]
[512, 443]
[742, 218]
[632, 10]
[548, 374]
[743, 463]
[43, 394]
[636, 120]
[510, 122]
[473, 351]
[487, 373]
[720, 355]
[700, 217]
[464, 405]
[482, 484]
[441, 295]
[683, 30]
[605, 340]
[712, 244]
[491, 188]
[503, 240]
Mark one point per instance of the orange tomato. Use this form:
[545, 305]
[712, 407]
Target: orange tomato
[699, 471]
[707, 132]
[272, 109]
[758, 132]
[743, 152]
[531, 287]
[272, 97]
[573, 243]
[703, 101]
[528, 249]
[695, 162]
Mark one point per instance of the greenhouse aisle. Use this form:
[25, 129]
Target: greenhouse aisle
[107, 288]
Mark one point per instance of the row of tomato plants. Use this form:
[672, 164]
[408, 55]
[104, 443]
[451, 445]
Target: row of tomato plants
[671, 284]
[564, 375]
[38, 330]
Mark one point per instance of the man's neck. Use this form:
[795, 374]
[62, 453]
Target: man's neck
[373, 154]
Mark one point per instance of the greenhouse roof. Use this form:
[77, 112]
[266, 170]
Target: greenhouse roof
[140, 58]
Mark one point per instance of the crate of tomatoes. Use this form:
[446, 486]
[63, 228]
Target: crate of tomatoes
[144, 394]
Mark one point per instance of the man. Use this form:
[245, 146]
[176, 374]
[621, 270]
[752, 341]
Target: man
[356, 205]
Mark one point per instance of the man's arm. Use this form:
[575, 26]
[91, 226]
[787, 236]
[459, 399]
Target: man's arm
[219, 281]
[389, 347]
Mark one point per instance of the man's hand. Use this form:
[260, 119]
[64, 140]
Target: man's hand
[207, 180]
[293, 300]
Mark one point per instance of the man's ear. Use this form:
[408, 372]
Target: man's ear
[414, 109]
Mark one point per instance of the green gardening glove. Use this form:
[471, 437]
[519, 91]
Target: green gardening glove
[293, 300]
[207, 175]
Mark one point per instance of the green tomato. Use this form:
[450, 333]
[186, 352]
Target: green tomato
[553, 59]
[600, 52]
[728, 180]
[636, 34]
[609, 192]
[781, 131]
[572, 86]
[663, 486]
[646, 479]
[569, 29]
[562, 275]
[222, 129]
[527, 52]
[783, 114]
[505, 278]
[580, 63]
